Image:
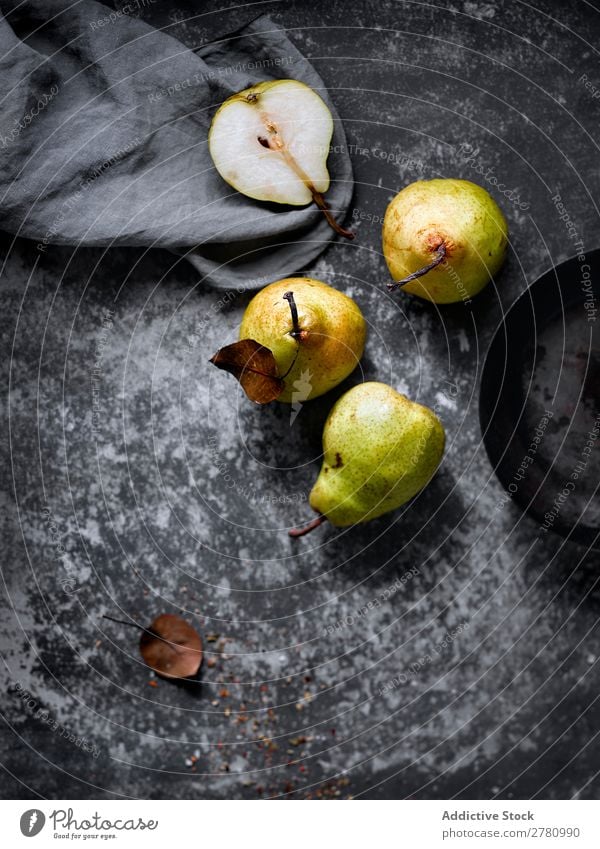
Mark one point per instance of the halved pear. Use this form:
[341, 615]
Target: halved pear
[271, 142]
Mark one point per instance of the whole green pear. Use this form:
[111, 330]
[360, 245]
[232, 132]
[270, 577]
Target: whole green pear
[443, 239]
[379, 449]
[317, 337]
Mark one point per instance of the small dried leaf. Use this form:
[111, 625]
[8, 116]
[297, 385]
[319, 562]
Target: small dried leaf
[171, 647]
[255, 368]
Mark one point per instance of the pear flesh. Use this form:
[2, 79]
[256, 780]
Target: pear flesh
[271, 142]
[444, 239]
[321, 348]
[380, 449]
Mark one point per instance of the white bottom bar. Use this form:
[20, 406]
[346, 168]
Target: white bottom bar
[286, 825]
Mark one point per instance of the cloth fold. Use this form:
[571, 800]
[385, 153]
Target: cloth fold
[103, 141]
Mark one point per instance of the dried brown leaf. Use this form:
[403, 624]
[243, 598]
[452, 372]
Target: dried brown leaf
[171, 647]
[255, 368]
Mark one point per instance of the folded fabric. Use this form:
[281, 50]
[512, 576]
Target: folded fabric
[103, 141]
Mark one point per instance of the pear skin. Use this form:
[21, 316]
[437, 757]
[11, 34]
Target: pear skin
[331, 339]
[380, 449]
[455, 223]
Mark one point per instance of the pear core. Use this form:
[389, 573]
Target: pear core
[455, 222]
[330, 343]
[379, 450]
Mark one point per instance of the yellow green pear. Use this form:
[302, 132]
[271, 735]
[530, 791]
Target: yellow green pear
[315, 332]
[443, 239]
[379, 450]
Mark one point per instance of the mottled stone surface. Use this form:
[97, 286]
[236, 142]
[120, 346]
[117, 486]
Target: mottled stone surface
[445, 649]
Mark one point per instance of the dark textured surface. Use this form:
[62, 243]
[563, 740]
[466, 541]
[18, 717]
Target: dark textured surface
[181, 498]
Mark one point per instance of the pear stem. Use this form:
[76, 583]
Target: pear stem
[439, 257]
[296, 332]
[321, 203]
[306, 529]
